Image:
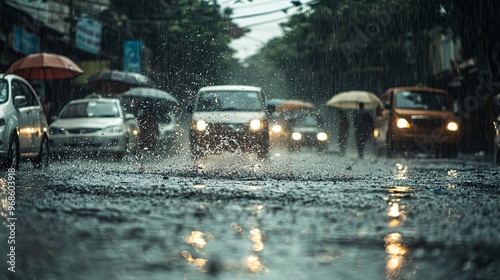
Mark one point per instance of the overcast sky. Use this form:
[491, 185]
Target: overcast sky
[263, 27]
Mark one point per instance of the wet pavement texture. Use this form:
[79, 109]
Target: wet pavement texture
[297, 216]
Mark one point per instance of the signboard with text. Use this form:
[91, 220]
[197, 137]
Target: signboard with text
[25, 42]
[132, 56]
[88, 35]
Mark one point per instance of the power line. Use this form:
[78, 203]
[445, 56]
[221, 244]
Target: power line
[285, 10]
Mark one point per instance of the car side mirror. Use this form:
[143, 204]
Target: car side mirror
[129, 117]
[190, 109]
[271, 108]
[20, 101]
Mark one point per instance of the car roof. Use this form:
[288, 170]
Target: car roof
[87, 100]
[230, 88]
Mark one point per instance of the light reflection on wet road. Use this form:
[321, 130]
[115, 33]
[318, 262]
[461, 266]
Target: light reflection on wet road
[297, 216]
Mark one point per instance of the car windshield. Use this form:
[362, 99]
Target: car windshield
[3, 91]
[422, 100]
[92, 109]
[307, 121]
[211, 101]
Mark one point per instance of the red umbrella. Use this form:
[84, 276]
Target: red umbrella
[45, 66]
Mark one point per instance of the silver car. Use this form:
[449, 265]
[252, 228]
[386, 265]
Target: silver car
[23, 126]
[94, 126]
[229, 118]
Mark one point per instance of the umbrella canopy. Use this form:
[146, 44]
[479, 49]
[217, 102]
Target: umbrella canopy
[352, 99]
[149, 93]
[45, 66]
[295, 105]
[114, 81]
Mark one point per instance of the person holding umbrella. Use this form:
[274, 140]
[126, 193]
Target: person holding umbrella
[363, 128]
[343, 131]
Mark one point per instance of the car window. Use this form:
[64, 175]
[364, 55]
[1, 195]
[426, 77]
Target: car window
[4, 89]
[307, 121]
[20, 89]
[210, 101]
[92, 109]
[31, 98]
[421, 100]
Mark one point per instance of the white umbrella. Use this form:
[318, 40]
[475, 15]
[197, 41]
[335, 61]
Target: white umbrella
[352, 99]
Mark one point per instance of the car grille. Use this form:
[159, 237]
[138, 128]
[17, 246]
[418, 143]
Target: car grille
[229, 128]
[425, 122]
[82, 130]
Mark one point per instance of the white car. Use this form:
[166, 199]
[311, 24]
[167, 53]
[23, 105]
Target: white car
[94, 126]
[230, 118]
[23, 126]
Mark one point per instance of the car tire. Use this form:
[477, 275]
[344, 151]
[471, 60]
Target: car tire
[42, 160]
[451, 151]
[496, 156]
[13, 156]
[389, 146]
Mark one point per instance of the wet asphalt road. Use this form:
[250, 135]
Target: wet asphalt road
[296, 216]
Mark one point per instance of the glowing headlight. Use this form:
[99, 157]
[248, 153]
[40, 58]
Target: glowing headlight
[375, 133]
[322, 136]
[255, 124]
[201, 125]
[276, 128]
[296, 136]
[402, 123]
[452, 126]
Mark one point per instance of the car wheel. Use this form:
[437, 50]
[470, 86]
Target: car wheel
[13, 157]
[263, 150]
[451, 151]
[496, 156]
[389, 146]
[42, 160]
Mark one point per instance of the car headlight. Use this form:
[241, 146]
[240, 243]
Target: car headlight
[255, 124]
[322, 136]
[452, 126]
[277, 128]
[201, 125]
[114, 129]
[402, 123]
[296, 136]
[56, 130]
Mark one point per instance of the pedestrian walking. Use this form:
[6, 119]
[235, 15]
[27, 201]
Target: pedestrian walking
[343, 131]
[363, 127]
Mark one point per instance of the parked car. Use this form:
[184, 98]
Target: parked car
[23, 125]
[496, 144]
[308, 130]
[416, 118]
[95, 125]
[229, 118]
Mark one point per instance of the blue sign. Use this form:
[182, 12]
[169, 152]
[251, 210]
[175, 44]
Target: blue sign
[25, 42]
[132, 56]
[88, 35]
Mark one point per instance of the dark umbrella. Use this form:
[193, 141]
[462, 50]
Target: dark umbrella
[152, 94]
[152, 97]
[115, 82]
[45, 66]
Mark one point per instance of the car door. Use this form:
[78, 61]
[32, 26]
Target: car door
[24, 118]
[37, 117]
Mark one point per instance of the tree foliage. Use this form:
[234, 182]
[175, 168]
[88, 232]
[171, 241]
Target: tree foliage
[189, 40]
